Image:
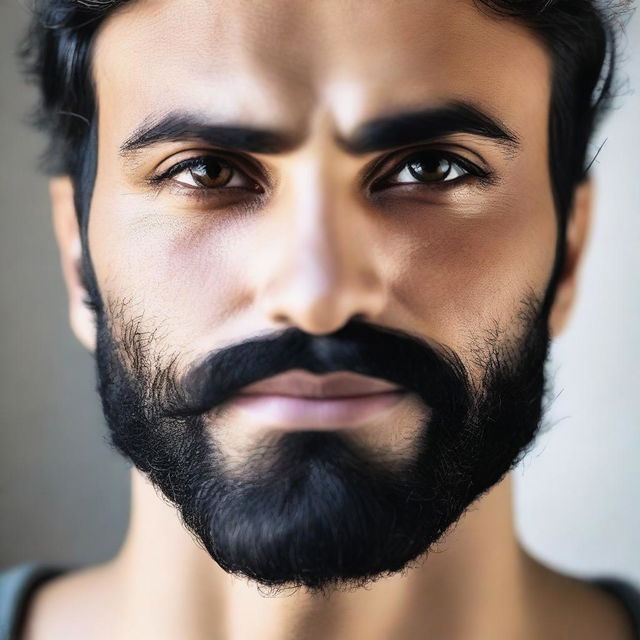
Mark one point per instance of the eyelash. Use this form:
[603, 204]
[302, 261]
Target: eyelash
[470, 171]
[192, 163]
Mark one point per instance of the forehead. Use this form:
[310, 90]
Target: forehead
[276, 62]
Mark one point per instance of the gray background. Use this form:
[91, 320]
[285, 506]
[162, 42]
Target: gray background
[64, 494]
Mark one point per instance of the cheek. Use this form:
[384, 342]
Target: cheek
[473, 265]
[181, 273]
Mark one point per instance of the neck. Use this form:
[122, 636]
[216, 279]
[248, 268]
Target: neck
[169, 587]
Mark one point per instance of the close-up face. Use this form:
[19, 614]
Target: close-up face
[309, 168]
[308, 233]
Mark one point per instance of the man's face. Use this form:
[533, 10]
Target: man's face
[390, 214]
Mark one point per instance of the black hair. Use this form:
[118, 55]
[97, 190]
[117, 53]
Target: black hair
[581, 36]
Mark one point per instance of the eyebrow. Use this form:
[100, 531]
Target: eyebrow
[379, 134]
[421, 125]
[177, 125]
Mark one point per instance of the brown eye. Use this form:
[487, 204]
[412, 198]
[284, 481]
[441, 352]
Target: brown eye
[430, 169]
[209, 173]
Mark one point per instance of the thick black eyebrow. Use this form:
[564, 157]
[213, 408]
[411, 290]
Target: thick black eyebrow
[379, 134]
[178, 125]
[414, 126]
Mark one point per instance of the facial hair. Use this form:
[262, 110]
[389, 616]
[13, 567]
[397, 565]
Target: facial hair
[317, 509]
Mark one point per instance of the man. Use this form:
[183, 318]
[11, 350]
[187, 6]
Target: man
[319, 251]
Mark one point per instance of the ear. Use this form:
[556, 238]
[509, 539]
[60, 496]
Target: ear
[65, 224]
[578, 226]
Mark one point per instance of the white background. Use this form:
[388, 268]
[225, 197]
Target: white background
[578, 491]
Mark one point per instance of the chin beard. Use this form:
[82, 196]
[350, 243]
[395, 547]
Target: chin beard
[317, 509]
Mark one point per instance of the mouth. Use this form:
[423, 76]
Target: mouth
[317, 413]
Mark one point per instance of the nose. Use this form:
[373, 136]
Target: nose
[324, 269]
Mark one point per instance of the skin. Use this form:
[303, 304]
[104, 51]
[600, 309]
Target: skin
[317, 249]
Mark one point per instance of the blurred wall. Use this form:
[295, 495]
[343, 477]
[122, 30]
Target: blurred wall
[64, 494]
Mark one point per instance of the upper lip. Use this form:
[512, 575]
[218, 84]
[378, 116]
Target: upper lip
[301, 383]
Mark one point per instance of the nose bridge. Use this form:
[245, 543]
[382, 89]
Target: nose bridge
[324, 271]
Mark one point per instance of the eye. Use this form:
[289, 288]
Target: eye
[207, 172]
[430, 167]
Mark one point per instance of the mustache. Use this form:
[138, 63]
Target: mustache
[433, 371]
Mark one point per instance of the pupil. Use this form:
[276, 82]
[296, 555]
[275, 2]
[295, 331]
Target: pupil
[211, 173]
[431, 168]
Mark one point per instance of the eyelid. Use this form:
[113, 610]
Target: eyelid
[470, 168]
[158, 178]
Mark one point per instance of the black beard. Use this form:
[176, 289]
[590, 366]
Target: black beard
[314, 509]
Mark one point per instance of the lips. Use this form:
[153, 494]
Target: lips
[294, 412]
[298, 400]
[302, 384]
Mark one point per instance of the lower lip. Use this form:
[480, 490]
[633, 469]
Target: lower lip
[310, 413]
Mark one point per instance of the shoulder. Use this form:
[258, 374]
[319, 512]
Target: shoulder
[70, 606]
[589, 608]
[626, 593]
[17, 584]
